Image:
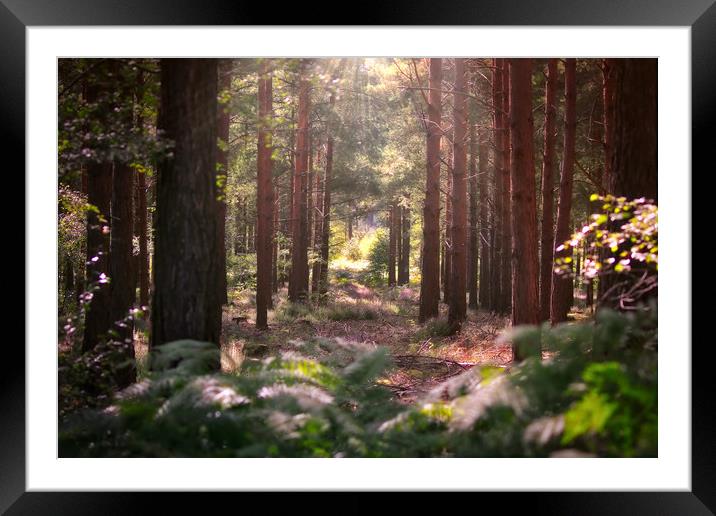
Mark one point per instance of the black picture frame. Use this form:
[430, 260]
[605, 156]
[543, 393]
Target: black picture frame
[700, 15]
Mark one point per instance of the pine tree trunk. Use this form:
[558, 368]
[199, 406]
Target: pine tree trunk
[404, 275]
[316, 246]
[298, 280]
[525, 269]
[327, 180]
[223, 121]
[547, 236]
[122, 263]
[99, 195]
[458, 228]
[485, 280]
[391, 244]
[264, 198]
[498, 221]
[472, 264]
[561, 284]
[429, 283]
[506, 287]
[185, 304]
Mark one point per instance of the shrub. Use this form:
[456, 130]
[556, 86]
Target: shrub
[291, 406]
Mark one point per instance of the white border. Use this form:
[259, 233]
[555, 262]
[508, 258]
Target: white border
[671, 471]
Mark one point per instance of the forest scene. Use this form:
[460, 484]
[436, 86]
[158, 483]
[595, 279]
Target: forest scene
[357, 257]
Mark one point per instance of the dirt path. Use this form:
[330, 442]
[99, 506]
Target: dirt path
[422, 355]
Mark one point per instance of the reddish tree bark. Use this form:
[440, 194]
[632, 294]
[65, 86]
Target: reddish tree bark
[525, 297]
[185, 304]
[485, 250]
[458, 281]
[560, 283]
[298, 279]
[506, 288]
[498, 213]
[429, 282]
[404, 270]
[547, 236]
[327, 180]
[317, 220]
[264, 197]
[472, 262]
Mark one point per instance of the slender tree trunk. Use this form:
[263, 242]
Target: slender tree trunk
[309, 205]
[506, 288]
[274, 248]
[404, 273]
[561, 284]
[499, 132]
[550, 140]
[223, 122]
[485, 231]
[525, 269]
[185, 304]
[447, 241]
[391, 244]
[429, 282]
[298, 280]
[121, 262]
[99, 195]
[327, 180]
[264, 197]
[472, 265]
[398, 241]
[318, 219]
[609, 80]
[458, 281]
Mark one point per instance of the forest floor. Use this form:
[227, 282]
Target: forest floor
[422, 354]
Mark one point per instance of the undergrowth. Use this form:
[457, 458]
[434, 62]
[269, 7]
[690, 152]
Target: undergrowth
[597, 396]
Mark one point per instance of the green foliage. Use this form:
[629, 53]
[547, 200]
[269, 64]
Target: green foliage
[335, 405]
[241, 271]
[378, 257]
[621, 244]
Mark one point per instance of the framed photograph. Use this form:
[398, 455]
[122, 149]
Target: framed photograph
[284, 146]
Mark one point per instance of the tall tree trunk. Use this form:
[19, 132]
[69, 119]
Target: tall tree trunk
[274, 247]
[525, 269]
[429, 282]
[447, 240]
[391, 244]
[185, 304]
[608, 87]
[99, 195]
[498, 270]
[223, 122]
[309, 204]
[634, 161]
[121, 260]
[547, 236]
[472, 264]
[398, 241]
[316, 246]
[485, 231]
[298, 280]
[404, 271]
[560, 283]
[506, 288]
[264, 197]
[327, 180]
[458, 233]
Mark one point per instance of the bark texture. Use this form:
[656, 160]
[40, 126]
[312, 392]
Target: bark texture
[185, 304]
[430, 279]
